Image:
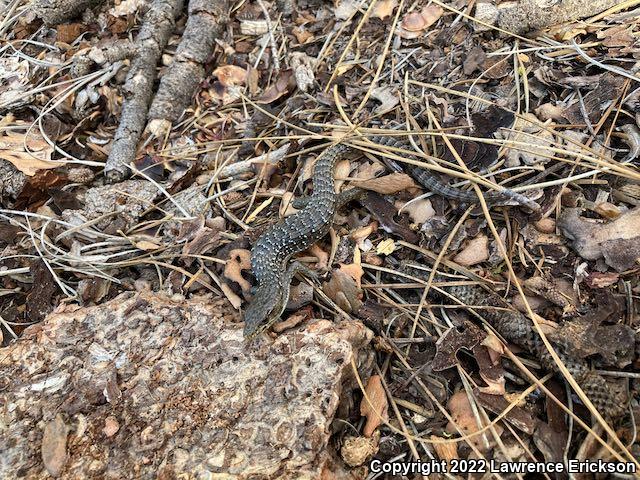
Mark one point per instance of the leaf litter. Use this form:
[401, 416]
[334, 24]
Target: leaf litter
[554, 110]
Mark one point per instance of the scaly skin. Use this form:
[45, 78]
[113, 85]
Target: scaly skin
[296, 233]
[518, 329]
[273, 250]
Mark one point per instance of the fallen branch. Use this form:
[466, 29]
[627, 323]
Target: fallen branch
[528, 15]
[53, 12]
[178, 85]
[156, 28]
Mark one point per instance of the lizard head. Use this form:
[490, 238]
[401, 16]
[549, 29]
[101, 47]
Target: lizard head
[264, 309]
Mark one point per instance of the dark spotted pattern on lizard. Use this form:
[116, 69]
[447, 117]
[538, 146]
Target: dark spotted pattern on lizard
[519, 330]
[273, 250]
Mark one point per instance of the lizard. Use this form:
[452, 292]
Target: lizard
[272, 251]
[516, 328]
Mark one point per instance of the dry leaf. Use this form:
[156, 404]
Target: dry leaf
[445, 451]
[286, 207]
[356, 450]
[494, 344]
[419, 210]
[465, 421]
[239, 259]
[392, 183]
[354, 270]
[27, 153]
[374, 405]
[293, 320]
[342, 289]
[321, 255]
[276, 90]
[367, 170]
[545, 225]
[230, 75]
[386, 247]
[415, 24]
[617, 241]
[341, 170]
[360, 234]
[303, 35]
[607, 210]
[384, 9]
[476, 251]
[346, 9]
[602, 280]
[147, 246]
[387, 98]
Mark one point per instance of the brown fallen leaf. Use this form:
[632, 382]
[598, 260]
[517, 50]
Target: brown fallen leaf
[490, 370]
[607, 210]
[464, 420]
[384, 9]
[517, 416]
[419, 210]
[617, 241]
[374, 405]
[28, 153]
[342, 289]
[356, 450]
[293, 320]
[415, 24]
[602, 280]
[445, 451]
[230, 75]
[465, 336]
[392, 183]
[283, 83]
[54, 445]
[341, 172]
[476, 251]
[147, 246]
[302, 35]
[321, 255]
[239, 259]
[286, 207]
[354, 270]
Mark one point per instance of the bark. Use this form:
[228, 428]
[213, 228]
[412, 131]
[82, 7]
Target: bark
[178, 85]
[528, 15]
[53, 12]
[157, 26]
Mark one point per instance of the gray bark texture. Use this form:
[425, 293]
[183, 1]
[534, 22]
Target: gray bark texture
[178, 85]
[147, 386]
[529, 15]
[157, 26]
[53, 12]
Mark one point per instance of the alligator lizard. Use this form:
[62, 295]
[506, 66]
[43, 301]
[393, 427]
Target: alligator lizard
[273, 250]
[517, 329]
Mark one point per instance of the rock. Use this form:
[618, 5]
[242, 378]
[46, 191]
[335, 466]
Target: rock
[164, 387]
